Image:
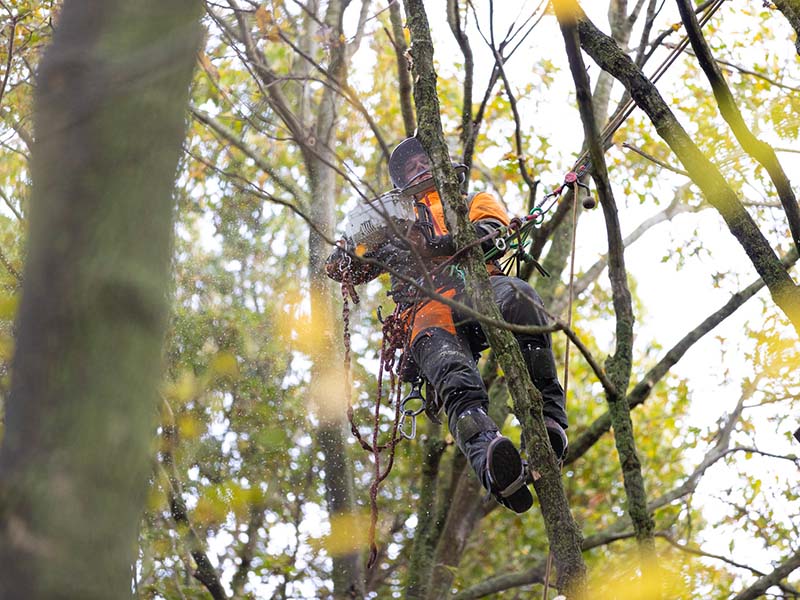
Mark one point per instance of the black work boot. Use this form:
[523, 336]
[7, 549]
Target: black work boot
[557, 436]
[494, 459]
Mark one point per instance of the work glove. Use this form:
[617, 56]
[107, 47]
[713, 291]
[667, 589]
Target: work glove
[444, 245]
[340, 264]
[395, 255]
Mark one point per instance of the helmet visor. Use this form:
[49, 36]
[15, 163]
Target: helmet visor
[408, 163]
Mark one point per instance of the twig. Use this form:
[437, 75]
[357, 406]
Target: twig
[642, 389]
[755, 147]
[10, 205]
[655, 160]
[205, 572]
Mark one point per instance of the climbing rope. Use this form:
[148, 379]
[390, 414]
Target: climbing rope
[396, 329]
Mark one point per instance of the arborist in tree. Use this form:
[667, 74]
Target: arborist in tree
[444, 345]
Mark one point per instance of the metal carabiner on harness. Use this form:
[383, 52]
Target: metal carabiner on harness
[500, 244]
[415, 395]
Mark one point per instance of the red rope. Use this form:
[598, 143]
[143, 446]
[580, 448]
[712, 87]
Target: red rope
[396, 333]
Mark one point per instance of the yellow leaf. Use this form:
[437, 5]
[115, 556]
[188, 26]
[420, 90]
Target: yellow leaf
[189, 427]
[208, 66]
[655, 581]
[264, 18]
[6, 347]
[348, 534]
[225, 365]
[8, 307]
[183, 389]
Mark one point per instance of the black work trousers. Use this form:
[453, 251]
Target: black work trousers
[448, 360]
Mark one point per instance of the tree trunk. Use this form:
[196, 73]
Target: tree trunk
[327, 377]
[80, 420]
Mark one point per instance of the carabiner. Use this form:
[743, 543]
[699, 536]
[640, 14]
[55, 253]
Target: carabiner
[415, 395]
[402, 426]
[500, 244]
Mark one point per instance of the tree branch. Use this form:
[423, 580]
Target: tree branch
[257, 157]
[205, 573]
[767, 581]
[676, 207]
[702, 171]
[454, 21]
[757, 149]
[654, 160]
[403, 68]
[791, 10]
[642, 390]
[620, 363]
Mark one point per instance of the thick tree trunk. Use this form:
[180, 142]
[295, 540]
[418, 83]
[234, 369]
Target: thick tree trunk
[80, 420]
[327, 378]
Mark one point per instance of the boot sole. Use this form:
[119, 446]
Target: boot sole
[505, 466]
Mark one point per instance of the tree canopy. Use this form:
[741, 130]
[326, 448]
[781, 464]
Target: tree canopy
[675, 305]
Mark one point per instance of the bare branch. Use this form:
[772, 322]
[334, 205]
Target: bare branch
[620, 363]
[205, 572]
[229, 136]
[706, 174]
[655, 160]
[403, 69]
[764, 583]
[454, 21]
[10, 205]
[13, 27]
[676, 207]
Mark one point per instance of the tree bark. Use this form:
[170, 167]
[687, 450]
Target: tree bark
[326, 375]
[75, 459]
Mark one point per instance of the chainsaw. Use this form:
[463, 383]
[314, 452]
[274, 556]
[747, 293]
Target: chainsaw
[374, 222]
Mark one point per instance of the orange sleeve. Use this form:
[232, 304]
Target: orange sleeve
[486, 206]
